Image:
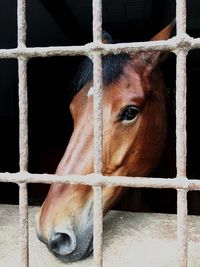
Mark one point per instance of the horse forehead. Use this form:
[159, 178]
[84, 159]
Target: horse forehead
[129, 87]
[128, 82]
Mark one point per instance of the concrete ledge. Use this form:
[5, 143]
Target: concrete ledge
[130, 239]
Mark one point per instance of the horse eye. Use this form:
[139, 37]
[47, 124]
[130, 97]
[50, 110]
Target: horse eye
[129, 113]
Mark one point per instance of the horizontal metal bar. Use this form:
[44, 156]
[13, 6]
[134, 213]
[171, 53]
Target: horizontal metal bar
[100, 180]
[172, 44]
[30, 52]
[196, 43]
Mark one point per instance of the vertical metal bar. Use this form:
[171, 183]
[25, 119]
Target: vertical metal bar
[23, 133]
[22, 74]
[98, 158]
[181, 143]
[182, 237]
[181, 135]
[98, 226]
[97, 20]
[21, 23]
[181, 16]
[23, 225]
[98, 130]
[98, 114]
[23, 114]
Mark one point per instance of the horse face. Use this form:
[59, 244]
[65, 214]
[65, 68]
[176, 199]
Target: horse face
[134, 124]
[134, 129]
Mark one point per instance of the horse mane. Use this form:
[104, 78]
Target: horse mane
[112, 67]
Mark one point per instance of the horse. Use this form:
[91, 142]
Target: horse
[134, 136]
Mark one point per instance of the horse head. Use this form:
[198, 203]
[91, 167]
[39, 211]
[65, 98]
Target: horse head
[134, 133]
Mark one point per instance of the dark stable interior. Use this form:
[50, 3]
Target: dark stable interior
[69, 22]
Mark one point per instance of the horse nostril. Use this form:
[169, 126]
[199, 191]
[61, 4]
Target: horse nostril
[63, 243]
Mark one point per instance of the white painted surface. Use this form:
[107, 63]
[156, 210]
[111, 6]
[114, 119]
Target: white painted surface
[130, 239]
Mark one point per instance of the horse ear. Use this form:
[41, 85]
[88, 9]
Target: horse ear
[152, 58]
[165, 33]
[106, 38]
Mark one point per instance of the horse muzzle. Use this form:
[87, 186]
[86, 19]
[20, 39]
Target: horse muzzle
[70, 246]
[68, 236]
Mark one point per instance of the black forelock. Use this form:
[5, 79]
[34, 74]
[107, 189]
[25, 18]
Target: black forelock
[112, 66]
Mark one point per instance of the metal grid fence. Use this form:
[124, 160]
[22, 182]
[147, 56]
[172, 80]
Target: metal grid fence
[180, 45]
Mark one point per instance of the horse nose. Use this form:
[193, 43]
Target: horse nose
[63, 243]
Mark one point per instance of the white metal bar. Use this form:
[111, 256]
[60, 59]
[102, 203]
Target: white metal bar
[99, 180]
[98, 135]
[98, 226]
[182, 236]
[181, 134]
[23, 114]
[181, 16]
[98, 114]
[181, 144]
[23, 133]
[88, 49]
[21, 23]
[97, 21]
[195, 43]
[23, 225]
